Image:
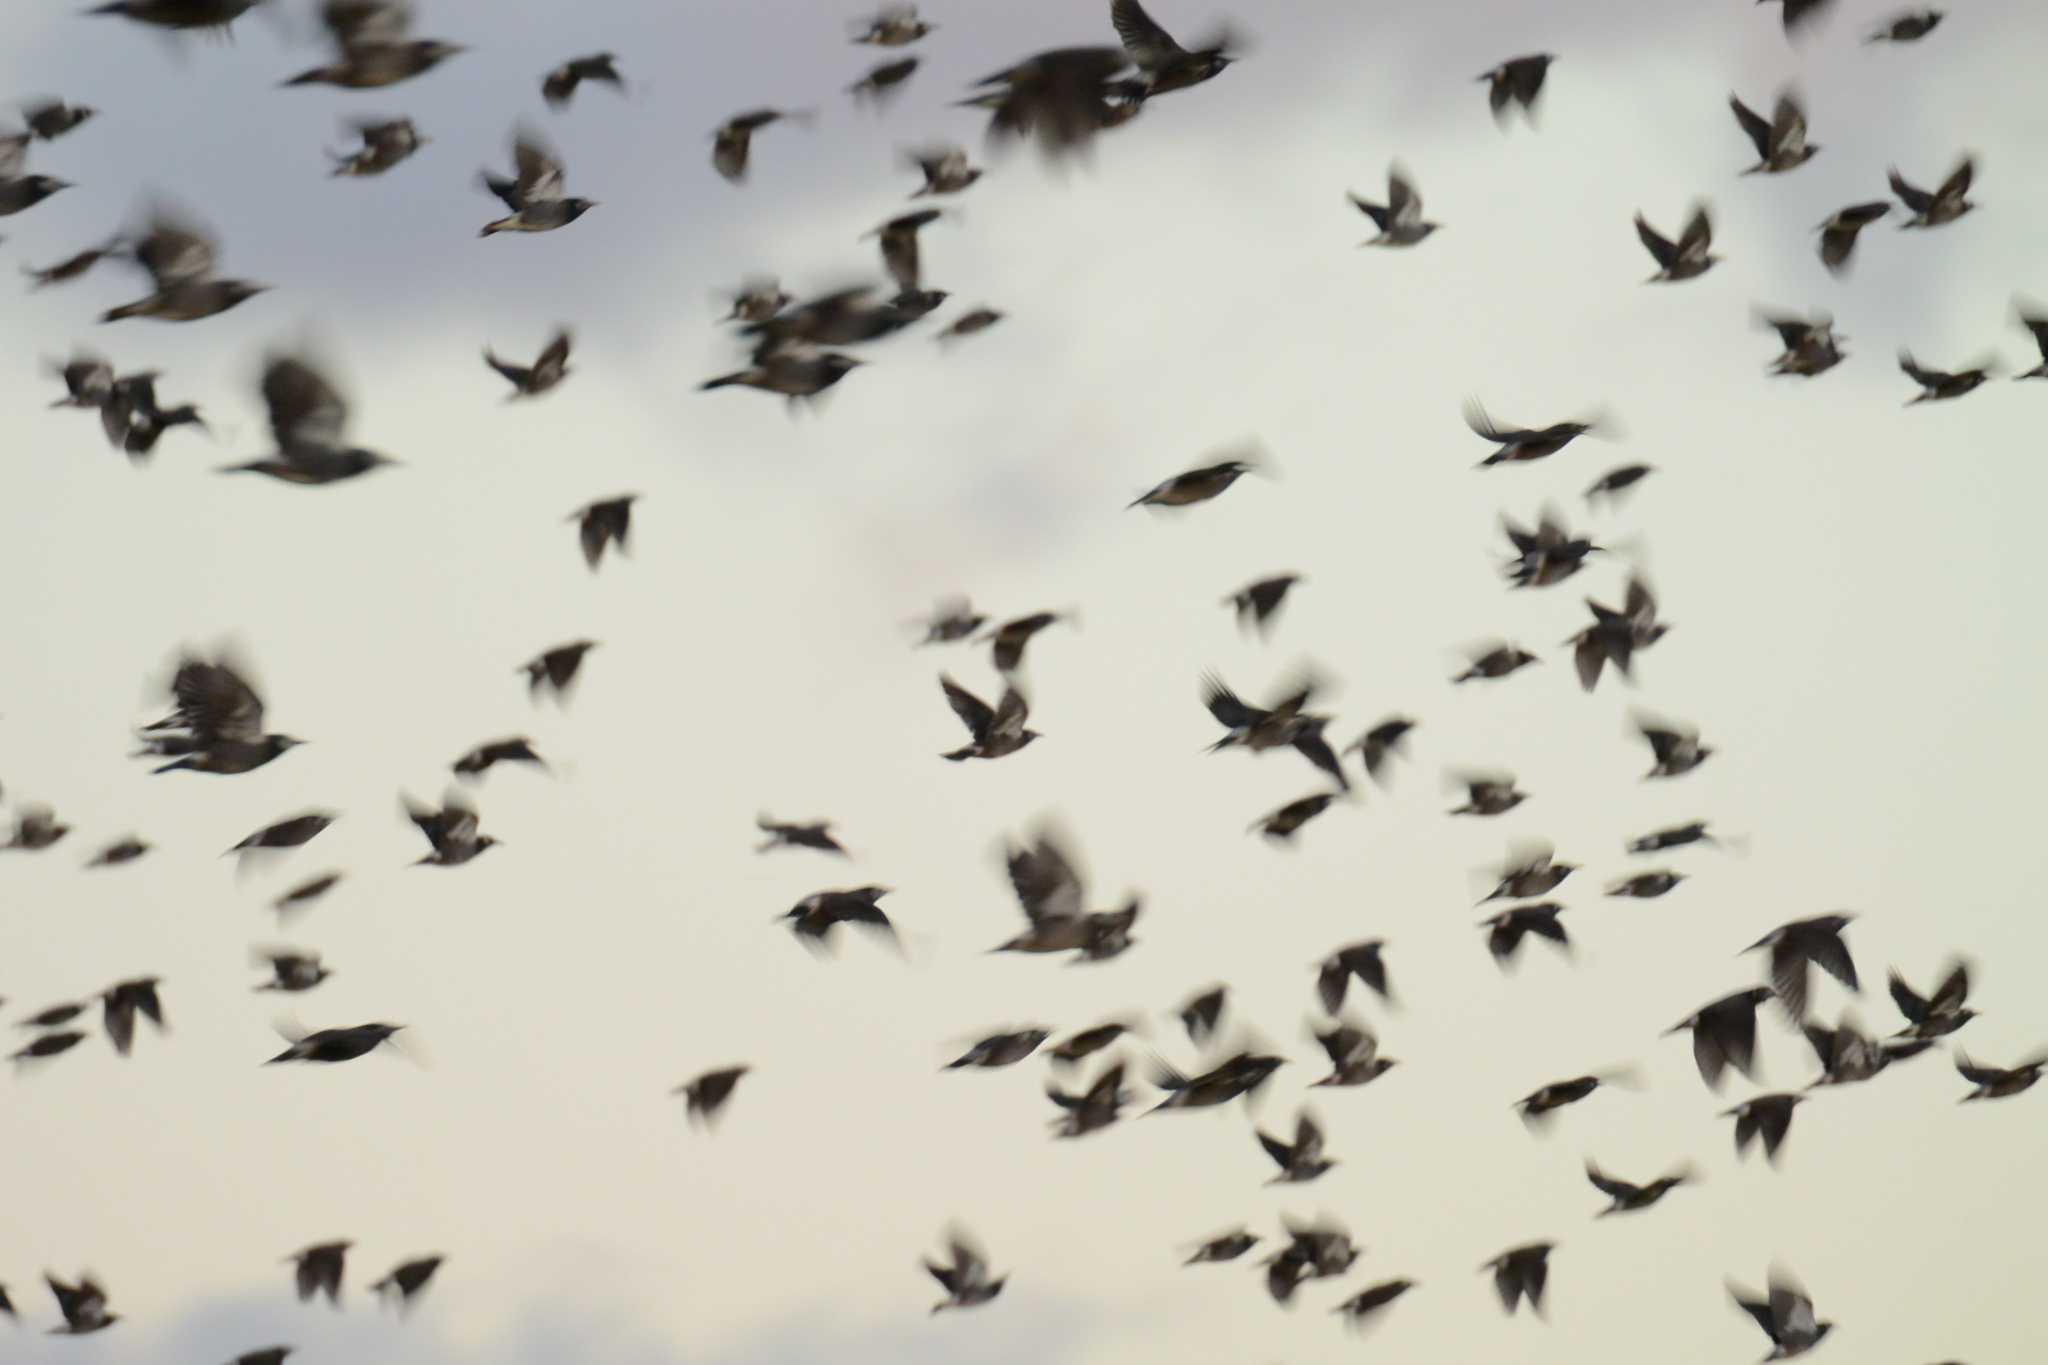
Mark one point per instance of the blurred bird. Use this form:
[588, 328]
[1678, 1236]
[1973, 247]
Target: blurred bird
[72, 267]
[733, 140]
[1811, 347]
[319, 1270]
[180, 257]
[1167, 66]
[88, 381]
[1054, 899]
[51, 119]
[545, 373]
[951, 620]
[1547, 555]
[35, 829]
[179, 14]
[309, 422]
[1996, 1083]
[47, 1045]
[373, 46]
[945, 169]
[1936, 385]
[291, 970]
[134, 421]
[306, 892]
[1359, 1308]
[18, 189]
[1795, 945]
[1848, 1055]
[1724, 1034]
[291, 833]
[1939, 1014]
[1060, 97]
[793, 375]
[535, 191]
[1488, 793]
[1520, 1274]
[1686, 258]
[2036, 322]
[558, 87]
[817, 834]
[556, 669]
[1280, 825]
[121, 851]
[386, 142]
[1537, 1106]
[84, 1306]
[1258, 603]
[1838, 233]
[1677, 836]
[407, 1280]
[1376, 745]
[966, 1280]
[1203, 1012]
[1302, 1160]
[1768, 1117]
[1000, 1049]
[1093, 1109]
[1647, 886]
[1781, 144]
[221, 719]
[1086, 1043]
[893, 26]
[1285, 724]
[758, 298]
[1240, 1074]
[1354, 1053]
[120, 1003]
[1631, 1198]
[1909, 27]
[1532, 870]
[1801, 13]
[1786, 1316]
[1948, 203]
[1617, 636]
[1507, 929]
[1519, 80]
[706, 1096]
[881, 80]
[483, 757]
[899, 246]
[55, 1016]
[452, 830]
[331, 1045]
[1615, 481]
[995, 733]
[968, 323]
[1400, 218]
[1225, 1246]
[1677, 748]
[1521, 443]
[1363, 960]
[815, 916]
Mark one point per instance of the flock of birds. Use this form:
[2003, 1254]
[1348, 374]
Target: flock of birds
[1062, 99]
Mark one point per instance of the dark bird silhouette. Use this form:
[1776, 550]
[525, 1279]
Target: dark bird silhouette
[544, 374]
[881, 80]
[72, 267]
[1286, 724]
[48, 1045]
[1785, 1315]
[995, 733]
[217, 726]
[1795, 945]
[121, 851]
[1258, 603]
[1167, 66]
[407, 1280]
[758, 298]
[536, 192]
[1848, 1055]
[968, 323]
[373, 46]
[1225, 1246]
[291, 969]
[813, 918]
[134, 421]
[815, 834]
[318, 1270]
[1677, 749]
[1520, 1275]
[1399, 220]
[1302, 1160]
[1547, 555]
[705, 1097]
[1936, 385]
[1000, 1049]
[1799, 14]
[120, 1003]
[481, 759]
[1519, 80]
[556, 669]
[1632, 1198]
[331, 1045]
[1909, 27]
[1280, 825]
[966, 1280]
[1615, 481]
[55, 1016]
[35, 829]
[945, 169]
[1061, 98]
[180, 257]
[309, 422]
[1838, 233]
[1537, 1106]
[1054, 899]
[558, 87]
[1690, 256]
[1354, 1053]
[732, 143]
[1724, 1034]
[1364, 960]
[386, 142]
[1384, 740]
[452, 830]
[179, 14]
[1677, 836]
[1093, 1109]
[84, 1306]
[1521, 443]
[1766, 1117]
[1811, 347]
[892, 26]
[1617, 636]
[794, 375]
[1506, 930]
[306, 892]
[952, 619]
[1488, 793]
[88, 381]
[1359, 1308]
[1939, 1014]
[1008, 640]
[1948, 203]
[1647, 886]
[1240, 1074]
[1203, 1012]
[1781, 144]
[291, 833]
[1086, 1043]
[1195, 485]
[1532, 870]
[1997, 1083]
[51, 119]
[18, 189]
[1496, 661]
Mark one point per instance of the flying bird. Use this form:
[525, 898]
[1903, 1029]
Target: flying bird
[816, 834]
[217, 726]
[1259, 602]
[74, 266]
[1506, 930]
[1676, 748]
[291, 970]
[1646, 886]
[180, 258]
[535, 193]
[1399, 220]
[995, 733]
[1724, 1034]
[1000, 1049]
[1490, 793]
[120, 1003]
[1167, 66]
[1909, 27]
[2036, 322]
[1363, 960]
[1996, 1083]
[386, 142]
[1948, 202]
[19, 190]
[1195, 485]
[1062, 98]
[555, 670]
[705, 1097]
[309, 422]
[1616, 637]
[1225, 1246]
[1799, 14]
[972, 321]
[544, 374]
[121, 851]
[407, 1280]
[1785, 1315]
[1302, 1160]
[1381, 742]
[451, 830]
[966, 1279]
[1939, 1014]
[1781, 143]
[1802, 942]
[51, 119]
[1633, 1198]
[1811, 347]
[1532, 870]
[1520, 1274]
[1521, 443]
[84, 1306]
[1280, 825]
[1937, 385]
[290, 833]
[1354, 1053]
[558, 87]
[1093, 1109]
[485, 756]
[318, 1270]
[1519, 80]
[813, 918]
[881, 80]
[732, 142]
[945, 169]
[1765, 1117]
[332, 1045]
[893, 26]
[1690, 256]
[1838, 233]
[373, 46]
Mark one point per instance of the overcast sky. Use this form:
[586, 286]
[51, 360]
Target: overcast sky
[1853, 587]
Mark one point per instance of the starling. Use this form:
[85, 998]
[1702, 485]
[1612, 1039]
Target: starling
[1616, 636]
[1909, 27]
[306, 892]
[2036, 322]
[299, 829]
[1506, 930]
[386, 142]
[1996, 1083]
[815, 834]
[951, 619]
[1400, 218]
[556, 669]
[1302, 1160]
[1062, 98]
[1540, 1103]
[1496, 661]
[893, 26]
[407, 1280]
[1285, 724]
[48, 1045]
[308, 420]
[373, 49]
[71, 267]
[452, 830]
[545, 373]
[813, 918]
[1945, 205]
[1677, 750]
[899, 246]
[1239, 1074]
[1786, 1316]
[480, 760]
[133, 419]
[330, 1045]
[1354, 1053]
[291, 970]
[1532, 870]
[51, 119]
[1000, 1049]
[1518, 443]
[1258, 603]
[217, 725]
[1520, 1274]
[1359, 1308]
[1167, 66]
[1794, 945]
[1811, 348]
[1376, 745]
[1838, 233]
[1848, 1055]
[1646, 886]
[1781, 144]
[1689, 256]
[1363, 960]
[1547, 555]
[1768, 1117]
[970, 322]
[1224, 1246]
[1086, 1043]
[1519, 80]
[1054, 900]
[1799, 13]
[35, 829]
[1196, 485]
[558, 87]
[1939, 1014]
[119, 1005]
[56, 1015]
[945, 169]
[1940, 384]
[1611, 484]
[1631, 1198]
[1092, 1110]
[121, 851]
[84, 1306]
[1324, 1248]
[1279, 825]
[793, 375]
[1488, 794]
[1724, 1034]
[995, 733]
[966, 1281]
[18, 191]
[734, 138]
[1203, 1012]
[534, 194]
[1675, 837]
[1008, 640]
[883, 79]
[319, 1270]
[88, 382]
[180, 257]
[179, 14]
[705, 1097]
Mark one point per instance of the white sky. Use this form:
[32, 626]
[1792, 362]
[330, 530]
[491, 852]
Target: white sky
[1851, 584]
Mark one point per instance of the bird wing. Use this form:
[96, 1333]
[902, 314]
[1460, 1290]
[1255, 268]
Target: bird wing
[1380, 215]
[1698, 234]
[1659, 245]
[1045, 881]
[1526, 75]
[215, 703]
[1958, 183]
[900, 257]
[516, 375]
[1833, 957]
[540, 172]
[1922, 376]
[1228, 708]
[1909, 1000]
[974, 713]
[354, 23]
[1404, 205]
[13, 155]
[1011, 712]
[1282, 1154]
[175, 251]
[1788, 125]
[1953, 990]
[1150, 46]
[1607, 1185]
[305, 409]
[1916, 199]
[556, 356]
[1753, 124]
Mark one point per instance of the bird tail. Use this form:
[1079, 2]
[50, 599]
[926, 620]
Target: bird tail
[497, 225]
[723, 381]
[126, 310]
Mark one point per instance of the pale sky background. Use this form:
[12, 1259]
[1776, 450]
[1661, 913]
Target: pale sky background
[1853, 587]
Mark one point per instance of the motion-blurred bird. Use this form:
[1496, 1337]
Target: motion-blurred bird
[1532, 870]
[1786, 1316]
[555, 670]
[1997, 1083]
[1520, 1274]
[1488, 793]
[1615, 481]
[1811, 347]
[485, 756]
[217, 725]
[880, 81]
[1359, 1308]
[1765, 1117]
[535, 191]
[996, 732]
[1802, 942]
[1691, 255]
[558, 87]
[1093, 1109]
[1646, 886]
[306, 892]
[1301, 1160]
[1086, 1043]
[180, 257]
[74, 266]
[945, 168]
[120, 1003]
[816, 834]
[18, 189]
[732, 143]
[1848, 1055]
[1617, 636]
[290, 833]
[969, 323]
[1364, 960]
[544, 374]
[35, 829]
[1384, 740]
[1781, 144]
[1000, 1049]
[1724, 1034]
[1258, 603]
[1909, 27]
[794, 375]
[1537, 1106]
[966, 1280]
[318, 1270]
[309, 422]
[1240, 1074]
[407, 1280]
[373, 46]
[1519, 80]
[1400, 218]
[1632, 1198]
[179, 14]
[1521, 443]
[292, 970]
[1167, 66]
[386, 142]
[892, 26]
[121, 851]
[1506, 930]
[1838, 233]
[2036, 323]
[815, 916]
[1799, 14]
[1062, 98]
[1225, 1246]
[1939, 1014]
[1948, 202]
[1354, 1053]
[452, 830]
[705, 1096]
[84, 1306]
[1547, 555]
[1676, 748]
[1280, 825]
[331, 1045]
[1936, 385]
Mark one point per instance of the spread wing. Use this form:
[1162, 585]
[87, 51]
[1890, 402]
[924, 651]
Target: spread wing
[1607, 1185]
[215, 703]
[1958, 183]
[1752, 124]
[1659, 245]
[1698, 234]
[540, 173]
[1908, 1000]
[1045, 881]
[355, 23]
[1230, 711]
[1916, 199]
[1788, 124]
[556, 356]
[974, 713]
[1150, 46]
[175, 252]
[305, 409]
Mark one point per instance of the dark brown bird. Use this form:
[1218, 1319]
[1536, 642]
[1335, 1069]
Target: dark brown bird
[1611, 484]
[1384, 740]
[374, 46]
[1724, 1034]
[51, 119]
[881, 80]
[1781, 143]
[180, 257]
[1008, 640]
[120, 1004]
[319, 1271]
[84, 1306]
[452, 831]
[332, 1045]
[291, 833]
[1496, 661]
[1519, 444]
[1838, 233]
[48, 1045]
[1948, 202]
[1540, 1103]
[1939, 1014]
[1490, 793]
[733, 141]
[1258, 603]
[1997, 1083]
[1795, 945]
[407, 1280]
[705, 1097]
[1280, 825]
[995, 733]
[1062, 98]
[1086, 1043]
[1909, 27]
[72, 267]
[1226, 1246]
[1354, 1053]
[535, 193]
[1631, 1198]
[1167, 66]
[892, 26]
[221, 719]
[899, 246]
[386, 142]
[309, 421]
[1506, 930]
[1768, 1117]
[1519, 80]
[485, 756]
[1688, 257]
[558, 87]
[545, 373]
[1362, 960]
[813, 918]
[556, 669]
[305, 893]
[1801, 13]
[1940, 384]
[1520, 1275]
[119, 852]
[815, 834]
[291, 970]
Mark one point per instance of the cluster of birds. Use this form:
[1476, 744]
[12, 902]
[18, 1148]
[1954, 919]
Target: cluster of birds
[1061, 99]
